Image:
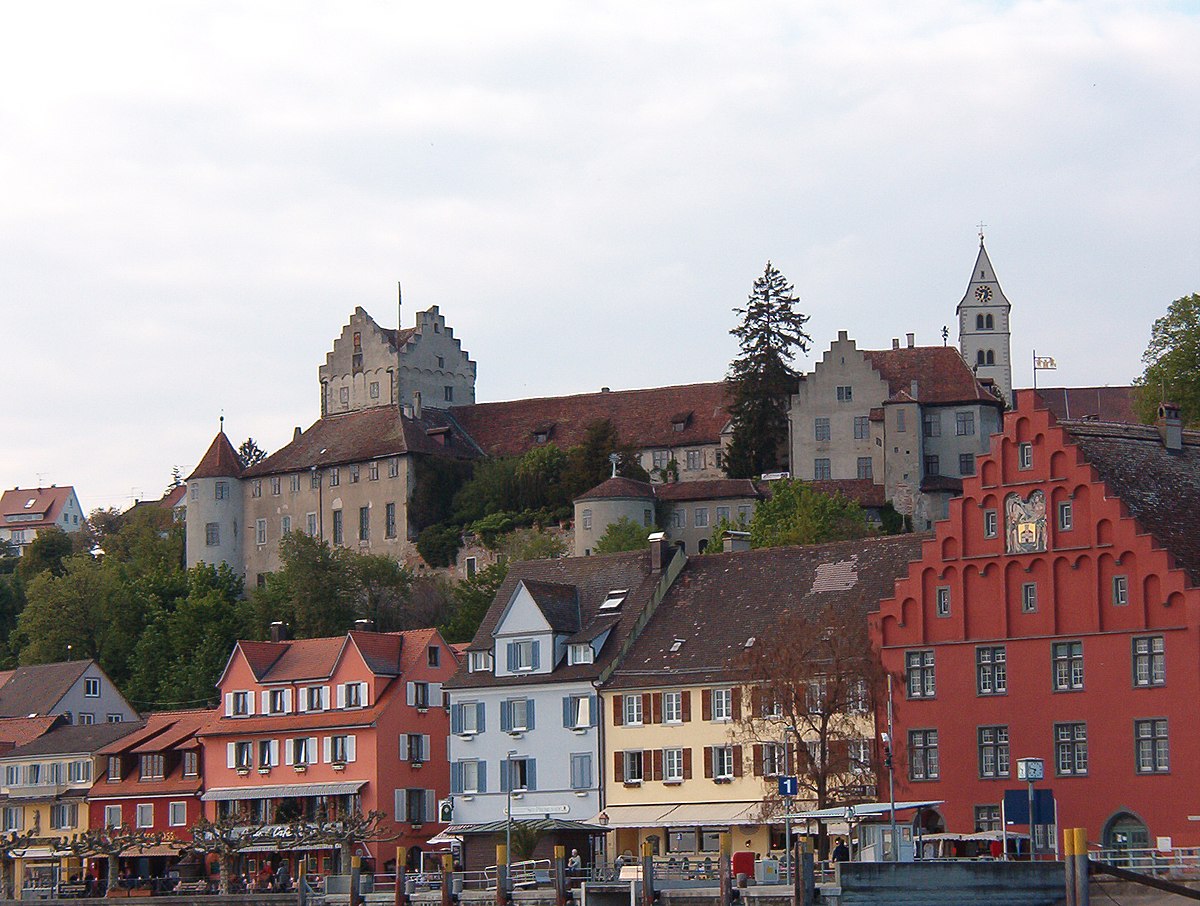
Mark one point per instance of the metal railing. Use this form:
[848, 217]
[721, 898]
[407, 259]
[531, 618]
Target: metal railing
[1183, 862]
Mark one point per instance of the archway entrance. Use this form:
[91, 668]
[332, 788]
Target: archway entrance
[1125, 832]
[926, 821]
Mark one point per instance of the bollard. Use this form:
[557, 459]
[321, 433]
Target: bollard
[1082, 890]
[723, 869]
[808, 869]
[301, 883]
[1069, 865]
[355, 875]
[501, 875]
[447, 878]
[647, 874]
[398, 898]
[560, 875]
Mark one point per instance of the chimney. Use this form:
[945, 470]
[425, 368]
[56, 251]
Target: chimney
[296, 432]
[364, 625]
[1170, 426]
[279, 631]
[658, 551]
[735, 542]
[606, 390]
[913, 390]
[895, 343]
[416, 406]
[912, 339]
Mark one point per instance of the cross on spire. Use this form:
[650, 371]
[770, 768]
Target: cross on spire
[981, 225]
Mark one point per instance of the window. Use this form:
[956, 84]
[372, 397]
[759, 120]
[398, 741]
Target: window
[1066, 518]
[1150, 737]
[581, 653]
[989, 523]
[113, 718]
[177, 814]
[145, 814]
[12, 775]
[993, 752]
[241, 704]
[275, 483]
[296, 483]
[1025, 456]
[243, 755]
[340, 749]
[79, 772]
[1120, 591]
[256, 488]
[335, 477]
[964, 424]
[920, 670]
[991, 670]
[931, 424]
[660, 458]
[195, 492]
[393, 467]
[677, 517]
[862, 427]
[354, 698]
[1149, 661]
[338, 532]
[311, 524]
[221, 490]
[373, 390]
[314, 480]
[943, 601]
[1070, 749]
[672, 707]
[212, 534]
[821, 426]
[822, 471]
[415, 802]
[520, 771]
[285, 526]
[522, 655]
[114, 768]
[744, 513]
[1068, 666]
[1029, 597]
[632, 707]
[900, 427]
[577, 713]
[845, 394]
[479, 661]
[966, 463]
[581, 770]
[700, 518]
[632, 767]
[933, 464]
[277, 701]
[987, 818]
[303, 751]
[694, 460]
[865, 467]
[923, 755]
[389, 520]
[772, 759]
[260, 531]
[191, 764]
[112, 816]
[448, 393]
[14, 817]
[65, 815]
[723, 514]
[858, 698]
[722, 758]
[469, 777]
[673, 765]
[364, 523]
[722, 704]
[587, 520]
[152, 767]
[91, 687]
[354, 474]
[344, 396]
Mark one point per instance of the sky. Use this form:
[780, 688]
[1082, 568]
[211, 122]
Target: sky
[197, 195]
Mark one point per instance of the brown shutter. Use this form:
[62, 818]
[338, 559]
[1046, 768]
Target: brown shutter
[687, 762]
[686, 708]
[706, 704]
[647, 708]
[800, 753]
[656, 758]
[756, 701]
[708, 760]
[656, 708]
[737, 761]
[839, 756]
[618, 714]
[758, 759]
[736, 698]
[619, 767]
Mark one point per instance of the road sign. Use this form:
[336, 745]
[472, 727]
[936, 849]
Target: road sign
[1030, 769]
[527, 810]
[789, 787]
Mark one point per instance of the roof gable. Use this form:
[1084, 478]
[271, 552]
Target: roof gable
[219, 461]
[939, 372]
[21, 504]
[36, 689]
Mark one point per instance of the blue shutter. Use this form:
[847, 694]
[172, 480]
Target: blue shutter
[456, 718]
[530, 774]
[480, 712]
[593, 712]
[567, 711]
[482, 775]
[529, 709]
[456, 776]
[504, 776]
[505, 716]
[512, 656]
[537, 647]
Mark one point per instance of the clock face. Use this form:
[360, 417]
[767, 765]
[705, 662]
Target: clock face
[984, 294]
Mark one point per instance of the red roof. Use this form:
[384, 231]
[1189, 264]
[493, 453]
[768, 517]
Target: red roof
[286, 723]
[643, 418]
[941, 375]
[163, 731]
[619, 488]
[862, 490]
[385, 654]
[707, 489]
[17, 731]
[44, 502]
[221, 460]
[1101, 404]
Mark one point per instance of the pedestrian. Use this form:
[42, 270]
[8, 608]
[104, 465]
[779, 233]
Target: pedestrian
[575, 863]
[841, 852]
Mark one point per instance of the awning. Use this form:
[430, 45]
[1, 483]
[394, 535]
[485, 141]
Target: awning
[545, 825]
[687, 814]
[863, 810]
[282, 790]
[162, 849]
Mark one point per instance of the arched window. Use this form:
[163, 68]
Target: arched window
[991, 357]
[980, 358]
[988, 323]
[979, 322]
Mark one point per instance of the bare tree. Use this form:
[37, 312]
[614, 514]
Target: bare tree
[11, 844]
[227, 838]
[345, 831]
[109, 842]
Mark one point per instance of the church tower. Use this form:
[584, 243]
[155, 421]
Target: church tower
[983, 326]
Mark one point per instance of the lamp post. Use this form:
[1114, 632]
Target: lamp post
[1031, 770]
[787, 800]
[888, 740]
[508, 818]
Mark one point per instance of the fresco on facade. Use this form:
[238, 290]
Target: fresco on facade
[1025, 523]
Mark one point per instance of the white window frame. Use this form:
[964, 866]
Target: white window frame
[631, 709]
[145, 814]
[722, 762]
[673, 765]
[722, 704]
[112, 816]
[91, 687]
[177, 814]
[672, 708]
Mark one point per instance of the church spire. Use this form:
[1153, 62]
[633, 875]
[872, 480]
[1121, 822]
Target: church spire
[984, 336]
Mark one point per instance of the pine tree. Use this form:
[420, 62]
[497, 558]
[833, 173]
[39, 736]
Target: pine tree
[761, 378]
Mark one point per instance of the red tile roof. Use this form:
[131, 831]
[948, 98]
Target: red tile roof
[380, 651]
[221, 460]
[862, 490]
[942, 377]
[163, 731]
[643, 418]
[45, 502]
[1102, 404]
[707, 489]
[17, 731]
[619, 488]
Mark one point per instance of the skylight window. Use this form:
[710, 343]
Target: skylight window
[614, 599]
[30, 502]
[677, 644]
[750, 642]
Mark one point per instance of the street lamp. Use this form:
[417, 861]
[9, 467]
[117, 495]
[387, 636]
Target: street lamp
[787, 800]
[508, 819]
[888, 740]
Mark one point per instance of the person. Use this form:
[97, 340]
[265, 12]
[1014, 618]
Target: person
[841, 852]
[575, 863]
[281, 877]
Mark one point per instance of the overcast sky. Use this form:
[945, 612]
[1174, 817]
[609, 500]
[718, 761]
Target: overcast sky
[197, 195]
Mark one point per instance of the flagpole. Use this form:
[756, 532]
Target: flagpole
[1035, 369]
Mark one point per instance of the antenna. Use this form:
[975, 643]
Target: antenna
[945, 334]
[614, 458]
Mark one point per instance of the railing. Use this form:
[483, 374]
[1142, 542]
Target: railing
[1176, 863]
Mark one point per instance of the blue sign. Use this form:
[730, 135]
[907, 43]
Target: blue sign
[1016, 806]
[789, 787]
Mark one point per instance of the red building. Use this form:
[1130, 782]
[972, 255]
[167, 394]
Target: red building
[1056, 615]
[314, 728]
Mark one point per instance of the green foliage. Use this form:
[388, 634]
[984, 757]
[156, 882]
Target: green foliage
[893, 522]
[472, 598]
[623, 535]
[315, 591]
[1172, 363]
[491, 527]
[795, 513]
[384, 588]
[589, 463]
[437, 482]
[716, 541]
[530, 544]
[761, 377]
[250, 453]
[439, 544]
[45, 553]
[525, 838]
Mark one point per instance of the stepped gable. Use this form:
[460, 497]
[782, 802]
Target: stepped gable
[365, 435]
[220, 461]
[942, 377]
[722, 601]
[683, 415]
[1102, 404]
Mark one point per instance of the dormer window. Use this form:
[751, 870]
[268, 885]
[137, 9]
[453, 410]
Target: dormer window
[581, 654]
[277, 701]
[353, 695]
[239, 704]
[523, 656]
[152, 767]
[316, 698]
[114, 768]
[479, 661]
[614, 599]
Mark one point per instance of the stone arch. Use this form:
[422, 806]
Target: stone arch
[1125, 830]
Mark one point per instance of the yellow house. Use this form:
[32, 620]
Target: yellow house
[45, 785]
[692, 748]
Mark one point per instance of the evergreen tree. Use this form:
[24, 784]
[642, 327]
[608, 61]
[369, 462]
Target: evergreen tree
[761, 378]
[250, 452]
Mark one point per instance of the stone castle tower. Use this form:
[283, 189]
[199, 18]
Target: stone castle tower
[984, 335]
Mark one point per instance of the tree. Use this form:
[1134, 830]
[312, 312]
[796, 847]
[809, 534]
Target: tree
[472, 598]
[227, 838]
[796, 513]
[250, 452]
[761, 379]
[344, 832]
[12, 844]
[530, 544]
[101, 525]
[45, 553]
[589, 461]
[813, 681]
[438, 544]
[525, 837]
[385, 586]
[316, 591]
[1172, 363]
[110, 842]
[623, 535]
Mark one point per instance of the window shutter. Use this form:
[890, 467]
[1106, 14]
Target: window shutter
[325, 697]
[735, 696]
[656, 759]
[512, 656]
[274, 752]
[618, 715]
[310, 749]
[426, 747]
[404, 747]
[619, 767]
[327, 749]
[287, 700]
[593, 714]
[505, 716]
[647, 708]
[289, 749]
[529, 710]
[758, 759]
[456, 770]
[431, 805]
[456, 719]
[479, 717]
[301, 701]
[482, 776]
[737, 760]
[341, 695]
[504, 776]
[229, 704]
[567, 722]
[410, 693]
[757, 702]
[706, 705]
[435, 695]
[364, 694]
[708, 762]
[401, 804]
[687, 762]
[231, 755]
[537, 659]
[686, 704]
[250, 703]
[351, 749]
[266, 702]
[656, 708]
[531, 773]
